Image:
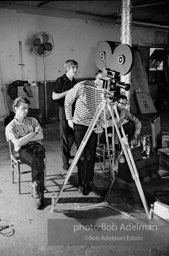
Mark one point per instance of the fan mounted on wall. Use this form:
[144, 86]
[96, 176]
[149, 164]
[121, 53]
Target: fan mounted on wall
[42, 44]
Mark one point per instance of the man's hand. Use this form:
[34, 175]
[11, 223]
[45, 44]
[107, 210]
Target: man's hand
[37, 129]
[115, 104]
[33, 134]
[71, 124]
[134, 141]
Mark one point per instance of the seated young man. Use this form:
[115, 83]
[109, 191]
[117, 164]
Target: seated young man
[131, 125]
[26, 135]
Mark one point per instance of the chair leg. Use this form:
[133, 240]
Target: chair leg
[19, 177]
[12, 170]
[45, 170]
[104, 156]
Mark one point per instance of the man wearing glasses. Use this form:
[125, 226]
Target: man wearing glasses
[131, 124]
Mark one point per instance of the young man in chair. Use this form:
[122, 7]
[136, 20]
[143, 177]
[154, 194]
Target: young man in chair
[131, 125]
[26, 135]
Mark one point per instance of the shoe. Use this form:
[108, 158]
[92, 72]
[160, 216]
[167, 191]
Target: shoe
[83, 189]
[37, 195]
[91, 186]
[66, 166]
[35, 190]
[80, 189]
[121, 158]
[39, 202]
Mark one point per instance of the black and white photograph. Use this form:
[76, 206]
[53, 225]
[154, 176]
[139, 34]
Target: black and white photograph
[84, 128]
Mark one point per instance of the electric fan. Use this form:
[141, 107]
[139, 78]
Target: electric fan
[42, 45]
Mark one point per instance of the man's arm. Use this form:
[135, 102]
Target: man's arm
[69, 100]
[37, 128]
[58, 90]
[35, 134]
[57, 96]
[38, 136]
[23, 140]
[136, 121]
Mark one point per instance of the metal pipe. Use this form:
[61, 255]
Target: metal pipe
[134, 22]
[126, 35]
[146, 5]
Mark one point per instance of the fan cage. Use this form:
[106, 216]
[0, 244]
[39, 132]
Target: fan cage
[42, 44]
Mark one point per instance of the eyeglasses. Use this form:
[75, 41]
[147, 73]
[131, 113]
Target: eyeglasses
[124, 104]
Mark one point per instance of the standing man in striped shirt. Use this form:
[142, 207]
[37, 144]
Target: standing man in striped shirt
[26, 135]
[88, 95]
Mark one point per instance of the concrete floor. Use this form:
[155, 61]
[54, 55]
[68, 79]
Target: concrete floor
[31, 225]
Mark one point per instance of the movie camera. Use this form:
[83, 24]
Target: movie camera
[114, 63]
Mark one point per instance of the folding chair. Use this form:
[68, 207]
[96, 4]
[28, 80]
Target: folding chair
[102, 153]
[16, 165]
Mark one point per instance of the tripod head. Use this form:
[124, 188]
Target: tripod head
[114, 63]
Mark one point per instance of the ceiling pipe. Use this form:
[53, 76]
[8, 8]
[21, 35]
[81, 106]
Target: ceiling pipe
[43, 3]
[134, 22]
[147, 5]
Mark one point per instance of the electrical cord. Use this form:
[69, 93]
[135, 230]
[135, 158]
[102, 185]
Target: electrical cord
[6, 229]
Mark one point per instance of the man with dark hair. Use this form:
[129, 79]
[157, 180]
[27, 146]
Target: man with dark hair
[131, 124]
[26, 135]
[61, 88]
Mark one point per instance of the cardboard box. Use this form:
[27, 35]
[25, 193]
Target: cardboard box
[145, 103]
[165, 140]
[136, 152]
[145, 167]
[161, 210]
[156, 133]
[164, 158]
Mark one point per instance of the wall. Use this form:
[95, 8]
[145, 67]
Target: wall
[73, 38]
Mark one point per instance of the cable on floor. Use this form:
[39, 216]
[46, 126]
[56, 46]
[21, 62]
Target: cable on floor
[6, 229]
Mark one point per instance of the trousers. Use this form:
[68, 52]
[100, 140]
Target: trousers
[87, 159]
[129, 130]
[66, 136]
[33, 155]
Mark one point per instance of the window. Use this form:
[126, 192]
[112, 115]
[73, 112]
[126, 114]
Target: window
[156, 59]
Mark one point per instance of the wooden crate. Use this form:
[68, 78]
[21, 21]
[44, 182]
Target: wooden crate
[165, 139]
[161, 210]
[145, 167]
[164, 158]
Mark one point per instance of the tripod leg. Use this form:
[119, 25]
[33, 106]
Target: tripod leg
[80, 149]
[112, 172]
[129, 158]
[110, 154]
[107, 142]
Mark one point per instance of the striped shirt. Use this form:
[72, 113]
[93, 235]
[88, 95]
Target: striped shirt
[87, 97]
[16, 129]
